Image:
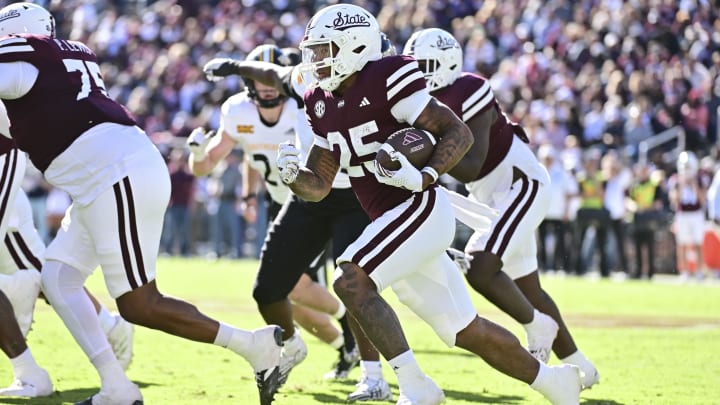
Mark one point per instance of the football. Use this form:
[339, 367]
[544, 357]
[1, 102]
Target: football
[417, 146]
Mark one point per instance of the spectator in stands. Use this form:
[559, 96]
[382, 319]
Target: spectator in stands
[564, 187]
[617, 180]
[645, 201]
[176, 232]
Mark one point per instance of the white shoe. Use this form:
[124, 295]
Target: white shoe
[590, 376]
[346, 362]
[121, 340]
[265, 361]
[293, 353]
[126, 395]
[368, 389]
[566, 386]
[541, 336]
[36, 385]
[23, 294]
[428, 393]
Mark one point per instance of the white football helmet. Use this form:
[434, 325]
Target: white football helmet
[687, 163]
[341, 38]
[439, 55]
[26, 18]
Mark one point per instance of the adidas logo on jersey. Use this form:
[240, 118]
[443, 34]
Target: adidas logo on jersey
[364, 102]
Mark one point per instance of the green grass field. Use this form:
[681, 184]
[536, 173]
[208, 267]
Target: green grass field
[653, 343]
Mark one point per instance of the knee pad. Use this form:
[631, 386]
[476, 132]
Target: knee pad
[22, 289]
[265, 293]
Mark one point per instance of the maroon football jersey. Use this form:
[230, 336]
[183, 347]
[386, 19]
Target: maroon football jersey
[357, 123]
[6, 145]
[68, 97]
[470, 95]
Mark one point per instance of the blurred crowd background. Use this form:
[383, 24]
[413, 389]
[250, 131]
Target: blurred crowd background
[592, 81]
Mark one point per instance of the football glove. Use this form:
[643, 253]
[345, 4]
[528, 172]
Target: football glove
[197, 143]
[288, 161]
[407, 176]
[219, 68]
[462, 260]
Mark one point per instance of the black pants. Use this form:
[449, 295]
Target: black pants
[599, 218]
[558, 258]
[299, 233]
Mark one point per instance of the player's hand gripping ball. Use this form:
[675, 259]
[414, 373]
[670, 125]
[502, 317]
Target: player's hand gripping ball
[400, 158]
[415, 144]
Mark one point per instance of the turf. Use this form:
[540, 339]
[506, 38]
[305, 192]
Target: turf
[653, 343]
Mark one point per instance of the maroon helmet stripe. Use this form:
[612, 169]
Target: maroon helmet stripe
[373, 263]
[523, 211]
[29, 256]
[503, 222]
[123, 237]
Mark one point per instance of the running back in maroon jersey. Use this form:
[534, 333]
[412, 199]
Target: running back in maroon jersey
[470, 95]
[68, 97]
[357, 123]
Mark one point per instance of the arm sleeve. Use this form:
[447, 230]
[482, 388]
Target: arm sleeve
[409, 108]
[17, 79]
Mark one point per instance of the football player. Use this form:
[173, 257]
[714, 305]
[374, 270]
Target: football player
[688, 197]
[290, 82]
[358, 99]
[21, 258]
[257, 121]
[501, 171]
[18, 288]
[88, 145]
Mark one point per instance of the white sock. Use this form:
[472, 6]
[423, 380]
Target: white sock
[338, 342]
[238, 340]
[107, 320]
[543, 379]
[340, 312]
[63, 287]
[23, 364]
[534, 323]
[371, 369]
[577, 359]
[406, 368]
[110, 370]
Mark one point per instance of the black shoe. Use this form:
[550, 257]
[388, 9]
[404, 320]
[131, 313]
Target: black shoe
[268, 383]
[346, 362]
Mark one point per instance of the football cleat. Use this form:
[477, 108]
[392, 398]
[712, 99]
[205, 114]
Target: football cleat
[540, 337]
[565, 387]
[347, 361]
[462, 260]
[121, 340]
[293, 353]
[590, 376]
[36, 385]
[128, 395]
[370, 390]
[265, 361]
[426, 394]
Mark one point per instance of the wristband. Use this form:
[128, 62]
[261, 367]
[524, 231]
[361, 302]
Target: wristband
[431, 172]
[250, 196]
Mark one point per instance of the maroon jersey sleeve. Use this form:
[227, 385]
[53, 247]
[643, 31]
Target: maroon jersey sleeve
[67, 99]
[354, 126]
[471, 95]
